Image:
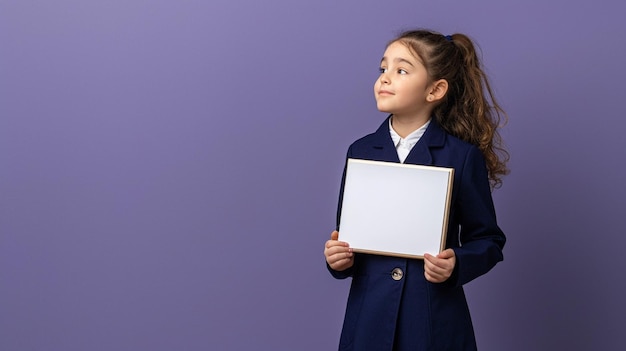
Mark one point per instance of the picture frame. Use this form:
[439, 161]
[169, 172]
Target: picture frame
[395, 209]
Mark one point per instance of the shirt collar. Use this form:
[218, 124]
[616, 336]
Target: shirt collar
[410, 139]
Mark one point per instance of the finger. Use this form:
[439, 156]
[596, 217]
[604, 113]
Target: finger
[339, 259]
[437, 273]
[334, 243]
[440, 268]
[441, 262]
[341, 266]
[337, 249]
[330, 243]
[429, 277]
[432, 268]
[448, 253]
[334, 238]
[432, 262]
[339, 256]
[433, 278]
[334, 253]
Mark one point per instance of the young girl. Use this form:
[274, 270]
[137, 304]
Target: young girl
[442, 113]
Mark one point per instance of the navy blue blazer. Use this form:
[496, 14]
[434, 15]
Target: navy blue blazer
[411, 313]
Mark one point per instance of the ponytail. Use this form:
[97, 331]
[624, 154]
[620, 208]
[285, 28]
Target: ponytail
[469, 110]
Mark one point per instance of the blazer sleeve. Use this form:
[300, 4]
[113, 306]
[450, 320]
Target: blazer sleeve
[481, 239]
[348, 272]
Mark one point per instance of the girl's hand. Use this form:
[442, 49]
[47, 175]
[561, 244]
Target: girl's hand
[338, 254]
[437, 269]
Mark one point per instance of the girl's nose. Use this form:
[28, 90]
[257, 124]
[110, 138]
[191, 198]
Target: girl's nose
[384, 78]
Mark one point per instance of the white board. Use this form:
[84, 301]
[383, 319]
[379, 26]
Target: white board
[395, 209]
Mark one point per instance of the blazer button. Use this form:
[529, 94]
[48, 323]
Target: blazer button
[397, 274]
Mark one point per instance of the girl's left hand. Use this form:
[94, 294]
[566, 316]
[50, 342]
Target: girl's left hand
[437, 269]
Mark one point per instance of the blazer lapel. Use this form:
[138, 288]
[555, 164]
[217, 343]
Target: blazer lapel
[383, 148]
[433, 137]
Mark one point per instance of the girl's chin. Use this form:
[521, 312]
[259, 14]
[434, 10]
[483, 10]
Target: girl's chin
[383, 108]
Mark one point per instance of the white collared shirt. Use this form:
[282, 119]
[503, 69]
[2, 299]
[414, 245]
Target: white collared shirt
[404, 145]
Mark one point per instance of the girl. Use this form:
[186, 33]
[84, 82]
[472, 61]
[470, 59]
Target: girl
[442, 113]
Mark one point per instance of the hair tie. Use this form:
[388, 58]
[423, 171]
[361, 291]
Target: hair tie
[448, 37]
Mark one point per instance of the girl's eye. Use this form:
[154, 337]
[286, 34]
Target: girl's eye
[382, 70]
[401, 71]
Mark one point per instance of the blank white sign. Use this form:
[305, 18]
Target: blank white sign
[395, 209]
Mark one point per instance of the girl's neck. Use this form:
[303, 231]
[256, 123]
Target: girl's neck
[407, 125]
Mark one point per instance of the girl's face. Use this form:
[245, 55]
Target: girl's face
[403, 86]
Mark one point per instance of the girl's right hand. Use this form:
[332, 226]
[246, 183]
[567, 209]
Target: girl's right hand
[338, 254]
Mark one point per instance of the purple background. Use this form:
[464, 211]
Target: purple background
[169, 169]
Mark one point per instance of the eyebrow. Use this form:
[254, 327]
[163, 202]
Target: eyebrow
[398, 59]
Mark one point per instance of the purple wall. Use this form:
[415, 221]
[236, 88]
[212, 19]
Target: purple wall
[169, 169]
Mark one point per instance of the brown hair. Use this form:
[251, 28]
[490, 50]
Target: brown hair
[469, 110]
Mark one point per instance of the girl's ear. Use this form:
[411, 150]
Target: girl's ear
[438, 90]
